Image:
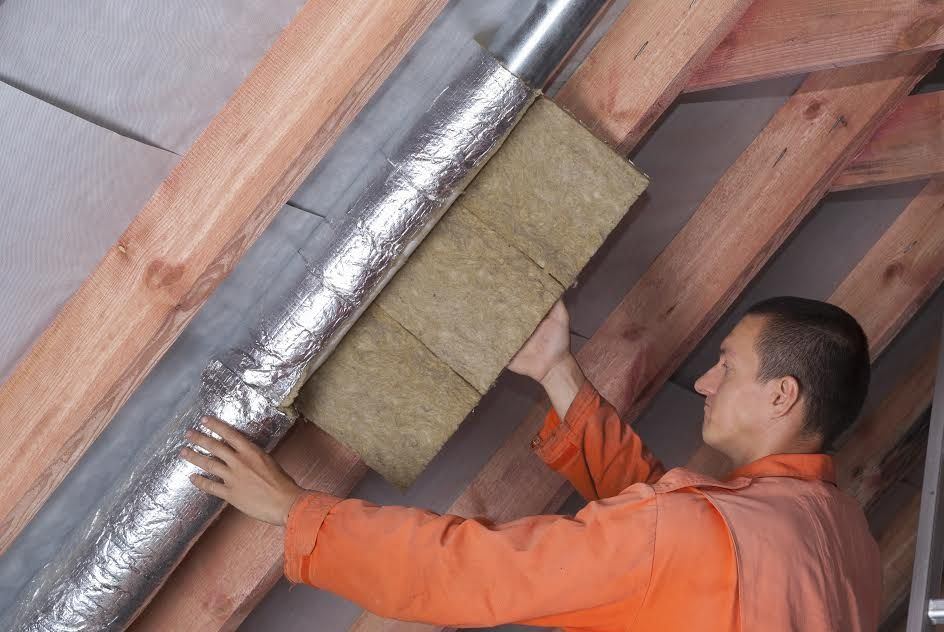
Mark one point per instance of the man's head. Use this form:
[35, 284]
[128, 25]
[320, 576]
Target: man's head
[792, 375]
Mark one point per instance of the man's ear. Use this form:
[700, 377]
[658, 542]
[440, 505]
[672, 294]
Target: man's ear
[785, 394]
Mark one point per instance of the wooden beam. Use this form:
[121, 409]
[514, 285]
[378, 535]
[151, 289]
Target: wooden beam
[908, 146]
[897, 546]
[885, 289]
[245, 554]
[788, 37]
[900, 272]
[884, 445]
[752, 209]
[280, 122]
[642, 63]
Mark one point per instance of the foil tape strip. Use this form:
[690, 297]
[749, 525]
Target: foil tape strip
[463, 127]
[148, 523]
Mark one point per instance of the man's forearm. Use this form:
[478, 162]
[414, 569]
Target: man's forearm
[562, 383]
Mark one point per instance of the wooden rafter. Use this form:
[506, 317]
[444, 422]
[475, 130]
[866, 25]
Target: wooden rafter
[789, 37]
[897, 545]
[754, 207]
[642, 63]
[280, 122]
[908, 146]
[887, 443]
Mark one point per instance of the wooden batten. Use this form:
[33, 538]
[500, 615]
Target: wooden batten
[775, 38]
[203, 217]
[908, 146]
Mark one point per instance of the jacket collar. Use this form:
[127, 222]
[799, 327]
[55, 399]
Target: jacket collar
[804, 466]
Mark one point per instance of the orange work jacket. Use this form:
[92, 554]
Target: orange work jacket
[775, 547]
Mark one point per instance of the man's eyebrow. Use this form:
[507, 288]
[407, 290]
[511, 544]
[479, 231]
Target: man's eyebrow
[725, 350]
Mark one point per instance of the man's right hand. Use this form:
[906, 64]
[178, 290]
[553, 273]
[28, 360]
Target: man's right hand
[547, 347]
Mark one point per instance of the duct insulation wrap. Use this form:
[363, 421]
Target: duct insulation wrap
[146, 525]
[463, 127]
[149, 522]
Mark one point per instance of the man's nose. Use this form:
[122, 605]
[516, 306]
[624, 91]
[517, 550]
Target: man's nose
[705, 384]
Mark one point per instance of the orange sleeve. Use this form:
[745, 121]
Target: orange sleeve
[598, 453]
[415, 565]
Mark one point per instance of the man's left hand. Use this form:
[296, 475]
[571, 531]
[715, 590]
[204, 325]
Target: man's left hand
[251, 479]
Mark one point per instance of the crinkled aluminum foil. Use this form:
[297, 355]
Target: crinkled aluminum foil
[149, 523]
[464, 126]
[146, 525]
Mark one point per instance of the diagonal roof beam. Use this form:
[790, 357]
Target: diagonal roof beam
[790, 37]
[908, 146]
[225, 190]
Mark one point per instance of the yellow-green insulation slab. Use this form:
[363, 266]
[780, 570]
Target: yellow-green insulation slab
[413, 366]
[554, 191]
[385, 395]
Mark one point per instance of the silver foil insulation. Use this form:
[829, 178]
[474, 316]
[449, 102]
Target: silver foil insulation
[149, 522]
[464, 126]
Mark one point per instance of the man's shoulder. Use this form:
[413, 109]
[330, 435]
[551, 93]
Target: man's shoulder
[680, 479]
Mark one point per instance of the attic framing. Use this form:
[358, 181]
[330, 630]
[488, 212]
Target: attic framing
[839, 120]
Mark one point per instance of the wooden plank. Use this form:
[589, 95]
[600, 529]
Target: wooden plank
[789, 37]
[642, 63]
[888, 442]
[897, 546]
[908, 146]
[751, 210]
[245, 554]
[323, 68]
[900, 272]
[885, 289]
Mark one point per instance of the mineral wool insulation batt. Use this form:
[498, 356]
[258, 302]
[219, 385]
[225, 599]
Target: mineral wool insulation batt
[435, 339]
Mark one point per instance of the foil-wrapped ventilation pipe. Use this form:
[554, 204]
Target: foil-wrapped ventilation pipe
[151, 519]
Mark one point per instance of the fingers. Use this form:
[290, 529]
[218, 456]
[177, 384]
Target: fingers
[214, 446]
[211, 466]
[232, 436]
[559, 311]
[211, 487]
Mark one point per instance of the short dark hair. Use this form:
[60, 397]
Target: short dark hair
[824, 348]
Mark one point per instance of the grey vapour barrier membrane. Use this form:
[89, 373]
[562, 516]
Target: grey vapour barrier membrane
[57, 220]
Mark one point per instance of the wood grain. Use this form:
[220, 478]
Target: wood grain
[897, 546]
[286, 115]
[751, 210]
[642, 64]
[908, 146]
[789, 37]
[886, 444]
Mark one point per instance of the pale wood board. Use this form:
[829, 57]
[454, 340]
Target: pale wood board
[219, 198]
[788, 37]
[908, 146]
[642, 64]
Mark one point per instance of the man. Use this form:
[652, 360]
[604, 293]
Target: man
[774, 546]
